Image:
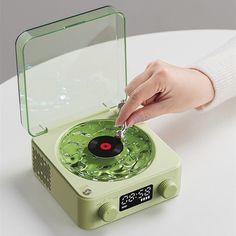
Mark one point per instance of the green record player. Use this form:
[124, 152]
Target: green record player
[71, 77]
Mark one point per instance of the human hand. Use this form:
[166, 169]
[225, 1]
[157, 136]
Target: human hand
[163, 88]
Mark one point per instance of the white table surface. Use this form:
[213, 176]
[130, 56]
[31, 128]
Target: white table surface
[204, 140]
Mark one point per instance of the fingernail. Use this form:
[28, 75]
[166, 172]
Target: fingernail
[117, 124]
[130, 124]
[133, 121]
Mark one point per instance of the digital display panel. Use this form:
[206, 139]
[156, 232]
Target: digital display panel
[136, 197]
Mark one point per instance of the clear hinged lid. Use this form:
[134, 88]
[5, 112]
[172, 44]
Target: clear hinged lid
[71, 69]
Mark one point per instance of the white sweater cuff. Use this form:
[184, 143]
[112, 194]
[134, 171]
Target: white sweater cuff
[220, 67]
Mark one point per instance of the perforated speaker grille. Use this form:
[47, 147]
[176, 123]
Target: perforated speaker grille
[41, 167]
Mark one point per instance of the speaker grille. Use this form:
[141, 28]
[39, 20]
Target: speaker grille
[41, 168]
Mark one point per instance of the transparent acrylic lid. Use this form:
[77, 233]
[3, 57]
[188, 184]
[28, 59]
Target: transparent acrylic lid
[71, 69]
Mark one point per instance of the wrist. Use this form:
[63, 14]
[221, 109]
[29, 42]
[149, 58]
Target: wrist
[207, 92]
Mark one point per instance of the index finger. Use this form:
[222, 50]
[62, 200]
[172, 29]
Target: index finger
[139, 95]
[138, 80]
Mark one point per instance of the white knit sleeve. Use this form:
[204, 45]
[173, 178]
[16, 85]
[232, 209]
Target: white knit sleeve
[220, 67]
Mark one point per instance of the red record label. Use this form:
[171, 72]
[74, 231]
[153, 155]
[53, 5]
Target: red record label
[105, 146]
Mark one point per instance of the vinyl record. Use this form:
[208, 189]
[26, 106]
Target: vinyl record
[105, 146]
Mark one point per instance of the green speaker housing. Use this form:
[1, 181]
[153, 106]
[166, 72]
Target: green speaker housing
[92, 204]
[72, 71]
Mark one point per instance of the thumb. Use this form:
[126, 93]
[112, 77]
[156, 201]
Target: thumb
[147, 112]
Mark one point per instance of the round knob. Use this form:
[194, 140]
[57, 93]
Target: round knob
[167, 189]
[107, 212]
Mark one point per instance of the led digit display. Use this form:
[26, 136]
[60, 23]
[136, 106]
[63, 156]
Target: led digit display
[136, 197]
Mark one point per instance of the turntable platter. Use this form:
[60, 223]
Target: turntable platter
[90, 150]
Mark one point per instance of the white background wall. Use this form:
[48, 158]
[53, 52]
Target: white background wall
[143, 16]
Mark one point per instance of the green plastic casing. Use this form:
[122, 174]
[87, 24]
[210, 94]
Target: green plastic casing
[70, 190]
[71, 71]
